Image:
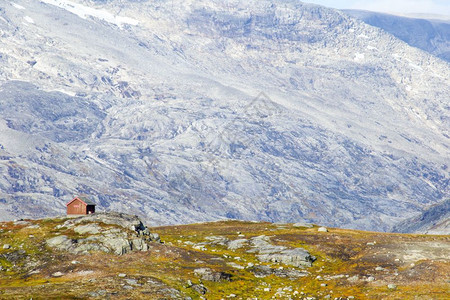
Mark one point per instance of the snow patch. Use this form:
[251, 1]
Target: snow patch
[59, 90]
[85, 11]
[17, 5]
[414, 66]
[28, 19]
[359, 57]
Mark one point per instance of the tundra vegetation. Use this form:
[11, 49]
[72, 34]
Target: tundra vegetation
[218, 260]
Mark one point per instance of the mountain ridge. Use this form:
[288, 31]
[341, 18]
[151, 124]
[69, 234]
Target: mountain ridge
[358, 136]
[431, 35]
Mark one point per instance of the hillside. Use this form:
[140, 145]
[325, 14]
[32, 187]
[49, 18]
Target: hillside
[75, 258]
[431, 35]
[184, 112]
[434, 220]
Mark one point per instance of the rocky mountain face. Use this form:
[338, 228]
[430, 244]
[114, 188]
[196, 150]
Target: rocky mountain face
[192, 111]
[429, 35]
[434, 220]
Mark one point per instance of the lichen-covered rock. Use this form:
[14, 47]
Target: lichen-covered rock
[210, 275]
[60, 242]
[266, 252]
[139, 244]
[295, 257]
[125, 221]
[200, 288]
[306, 225]
[217, 240]
[126, 234]
[89, 229]
[119, 245]
[154, 237]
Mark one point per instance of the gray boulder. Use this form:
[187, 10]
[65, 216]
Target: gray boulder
[306, 225]
[118, 245]
[217, 240]
[295, 257]
[139, 244]
[200, 288]
[267, 252]
[60, 242]
[154, 237]
[210, 275]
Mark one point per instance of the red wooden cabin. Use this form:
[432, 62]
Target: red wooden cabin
[80, 206]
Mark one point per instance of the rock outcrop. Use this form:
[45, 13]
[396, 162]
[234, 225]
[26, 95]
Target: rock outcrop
[210, 275]
[107, 232]
[267, 252]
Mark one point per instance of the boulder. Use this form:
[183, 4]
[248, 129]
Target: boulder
[295, 257]
[57, 274]
[200, 288]
[138, 244]
[118, 245]
[210, 275]
[322, 229]
[306, 225]
[392, 286]
[60, 242]
[154, 237]
[267, 252]
[217, 240]
[133, 282]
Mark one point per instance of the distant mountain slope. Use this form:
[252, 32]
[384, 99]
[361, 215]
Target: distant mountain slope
[430, 35]
[434, 220]
[193, 111]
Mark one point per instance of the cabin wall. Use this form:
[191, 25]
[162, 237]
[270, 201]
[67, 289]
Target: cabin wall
[77, 207]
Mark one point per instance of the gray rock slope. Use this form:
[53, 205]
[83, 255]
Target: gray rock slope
[429, 35]
[434, 220]
[191, 111]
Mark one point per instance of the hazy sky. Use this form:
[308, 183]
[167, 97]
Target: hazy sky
[441, 7]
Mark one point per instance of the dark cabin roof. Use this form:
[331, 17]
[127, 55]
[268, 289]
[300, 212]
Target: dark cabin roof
[84, 199]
